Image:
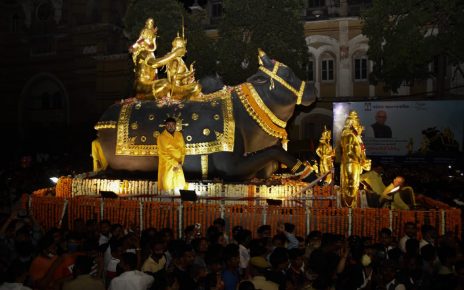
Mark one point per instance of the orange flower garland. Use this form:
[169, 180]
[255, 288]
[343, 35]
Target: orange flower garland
[64, 187]
[43, 191]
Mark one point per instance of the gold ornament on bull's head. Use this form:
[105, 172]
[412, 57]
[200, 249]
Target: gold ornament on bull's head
[326, 155]
[353, 159]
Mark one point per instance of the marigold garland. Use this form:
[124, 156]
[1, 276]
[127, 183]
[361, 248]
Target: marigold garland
[64, 187]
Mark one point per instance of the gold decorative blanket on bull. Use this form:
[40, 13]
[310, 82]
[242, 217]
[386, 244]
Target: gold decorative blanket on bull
[207, 124]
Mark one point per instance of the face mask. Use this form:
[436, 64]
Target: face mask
[366, 260]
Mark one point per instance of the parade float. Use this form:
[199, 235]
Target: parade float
[235, 141]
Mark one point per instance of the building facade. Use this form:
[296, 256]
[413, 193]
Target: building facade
[65, 62]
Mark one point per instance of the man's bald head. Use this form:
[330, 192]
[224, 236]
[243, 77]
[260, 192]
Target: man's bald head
[381, 117]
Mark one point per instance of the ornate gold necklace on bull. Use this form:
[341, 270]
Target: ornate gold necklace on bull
[257, 109]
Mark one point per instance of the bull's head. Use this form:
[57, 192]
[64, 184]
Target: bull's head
[278, 74]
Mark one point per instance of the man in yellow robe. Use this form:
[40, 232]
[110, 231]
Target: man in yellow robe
[99, 160]
[171, 155]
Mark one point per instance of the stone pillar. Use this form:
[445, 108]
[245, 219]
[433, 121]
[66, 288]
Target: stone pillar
[344, 77]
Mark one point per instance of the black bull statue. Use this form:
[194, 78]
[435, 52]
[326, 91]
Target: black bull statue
[233, 134]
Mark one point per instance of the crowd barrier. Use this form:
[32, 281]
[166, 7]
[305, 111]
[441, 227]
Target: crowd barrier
[141, 214]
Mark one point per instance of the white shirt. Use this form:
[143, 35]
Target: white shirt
[423, 243]
[132, 280]
[244, 256]
[103, 239]
[113, 263]
[402, 243]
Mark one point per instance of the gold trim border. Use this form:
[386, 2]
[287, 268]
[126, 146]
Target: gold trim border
[204, 166]
[258, 114]
[223, 143]
[105, 125]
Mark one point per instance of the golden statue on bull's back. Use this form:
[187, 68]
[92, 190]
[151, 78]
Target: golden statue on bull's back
[179, 84]
[353, 159]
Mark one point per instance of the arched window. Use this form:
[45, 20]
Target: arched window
[360, 66]
[327, 68]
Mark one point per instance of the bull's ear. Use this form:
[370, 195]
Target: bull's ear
[263, 59]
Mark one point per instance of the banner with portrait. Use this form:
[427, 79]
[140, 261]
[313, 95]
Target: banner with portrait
[406, 128]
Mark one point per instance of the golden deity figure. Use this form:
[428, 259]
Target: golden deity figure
[180, 82]
[326, 155]
[144, 48]
[353, 159]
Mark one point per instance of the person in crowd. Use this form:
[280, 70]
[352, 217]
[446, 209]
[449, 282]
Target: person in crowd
[200, 246]
[430, 265]
[220, 225]
[259, 252]
[42, 264]
[92, 230]
[362, 272]
[429, 235]
[115, 258]
[279, 264]
[243, 238]
[295, 273]
[446, 277]
[105, 232]
[231, 273]
[328, 261]
[63, 271]
[279, 241]
[388, 278]
[288, 230]
[189, 234]
[313, 241]
[182, 261]
[168, 236]
[385, 245]
[130, 278]
[410, 232]
[258, 271]
[82, 276]
[157, 260]
[218, 238]
[264, 231]
[412, 248]
[214, 261]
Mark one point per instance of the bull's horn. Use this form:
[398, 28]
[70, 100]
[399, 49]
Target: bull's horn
[264, 59]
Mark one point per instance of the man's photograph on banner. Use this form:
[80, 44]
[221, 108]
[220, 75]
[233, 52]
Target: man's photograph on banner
[402, 128]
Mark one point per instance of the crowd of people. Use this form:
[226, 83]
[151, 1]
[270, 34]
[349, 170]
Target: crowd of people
[101, 255]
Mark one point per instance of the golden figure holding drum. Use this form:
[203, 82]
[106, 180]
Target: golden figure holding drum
[353, 159]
